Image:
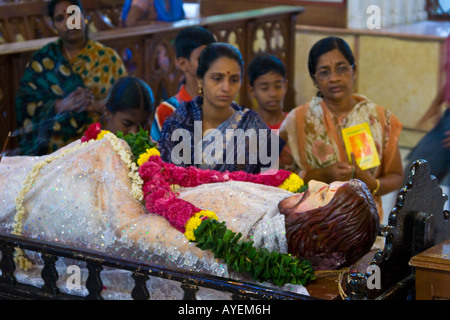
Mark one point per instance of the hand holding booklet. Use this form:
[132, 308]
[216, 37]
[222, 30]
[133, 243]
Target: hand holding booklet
[359, 140]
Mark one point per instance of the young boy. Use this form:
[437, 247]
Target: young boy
[268, 86]
[189, 44]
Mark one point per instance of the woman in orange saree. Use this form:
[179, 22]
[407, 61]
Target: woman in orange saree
[314, 131]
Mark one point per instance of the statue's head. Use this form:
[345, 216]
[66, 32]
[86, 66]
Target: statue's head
[331, 225]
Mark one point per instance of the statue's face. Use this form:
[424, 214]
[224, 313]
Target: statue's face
[318, 195]
[331, 225]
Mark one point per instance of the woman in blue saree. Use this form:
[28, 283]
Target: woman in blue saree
[214, 132]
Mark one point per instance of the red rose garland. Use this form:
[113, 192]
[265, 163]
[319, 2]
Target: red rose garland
[158, 176]
[92, 132]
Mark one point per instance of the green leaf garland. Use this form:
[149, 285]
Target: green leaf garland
[303, 188]
[138, 142]
[239, 255]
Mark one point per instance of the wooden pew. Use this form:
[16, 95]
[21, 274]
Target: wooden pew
[29, 20]
[153, 56]
[317, 13]
[104, 14]
[24, 21]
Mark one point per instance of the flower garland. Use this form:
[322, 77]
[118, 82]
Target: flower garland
[136, 181]
[94, 132]
[161, 180]
[156, 182]
[203, 227]
[159, 176]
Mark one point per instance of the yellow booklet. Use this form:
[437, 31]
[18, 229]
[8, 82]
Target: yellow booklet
[359, 140]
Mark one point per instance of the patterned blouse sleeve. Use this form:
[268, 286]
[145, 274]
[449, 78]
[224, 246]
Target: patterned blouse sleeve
[165, 143]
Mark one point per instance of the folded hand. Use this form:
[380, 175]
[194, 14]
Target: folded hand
[78, 101]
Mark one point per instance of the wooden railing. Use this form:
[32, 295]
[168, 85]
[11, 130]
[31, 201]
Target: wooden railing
[191, 282]
[148, 53]
[317, 13]
[29, 20]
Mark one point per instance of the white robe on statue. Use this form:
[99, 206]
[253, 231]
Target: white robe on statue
[84, 199]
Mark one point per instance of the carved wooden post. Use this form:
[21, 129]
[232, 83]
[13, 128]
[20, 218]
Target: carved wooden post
[94, 282]
[189, 291]
[416, 222]
[357, 286]
[7, 264]
[49, 274]
[237, 296]
[140, 291]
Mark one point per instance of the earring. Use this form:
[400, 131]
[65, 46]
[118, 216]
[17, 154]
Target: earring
[200, 89]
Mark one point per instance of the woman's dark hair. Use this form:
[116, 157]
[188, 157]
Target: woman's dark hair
[217, 50]
[130, 93]
[264, 64]
[326, 45]
[52, 4]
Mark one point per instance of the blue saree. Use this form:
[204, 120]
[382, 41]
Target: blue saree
[243, 142]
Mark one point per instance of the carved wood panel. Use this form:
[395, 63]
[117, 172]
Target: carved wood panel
[235, 34]
[160, 68]
[275, 36]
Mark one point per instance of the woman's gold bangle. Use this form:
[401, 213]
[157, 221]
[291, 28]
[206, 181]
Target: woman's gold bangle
[374, 192]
